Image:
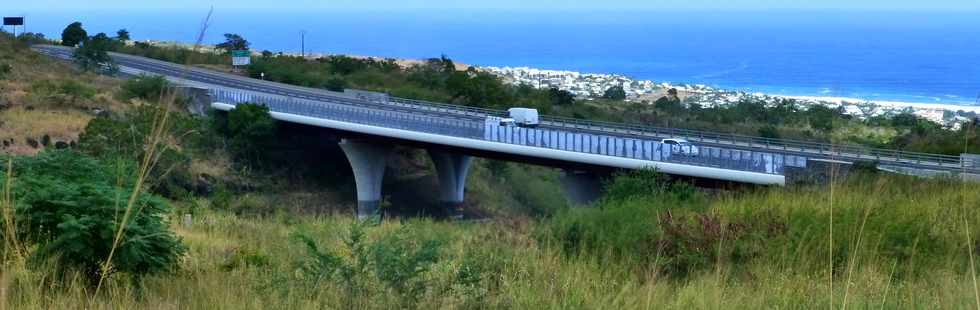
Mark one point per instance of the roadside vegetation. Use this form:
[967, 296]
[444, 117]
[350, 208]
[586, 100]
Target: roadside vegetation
[143, 205]
[440, 80]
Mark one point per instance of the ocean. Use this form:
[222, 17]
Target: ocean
[922, 57]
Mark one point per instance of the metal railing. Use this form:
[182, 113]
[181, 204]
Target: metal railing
[812, 149]
[482, 127]
[714, 139]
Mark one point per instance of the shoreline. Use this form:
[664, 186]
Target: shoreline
[889, 103]
[519, 75]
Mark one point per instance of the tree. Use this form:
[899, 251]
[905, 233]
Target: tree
[868, 108]
[821, 117]
[614, 93]
[561, 97]
[73, 35]
[122, 35]
[250, 129]
[233, 42]
[93, 55]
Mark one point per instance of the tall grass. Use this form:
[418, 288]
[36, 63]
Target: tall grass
[514, 270]
[159, 132]
[966, 224]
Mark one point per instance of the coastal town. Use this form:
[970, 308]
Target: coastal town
[591, 86]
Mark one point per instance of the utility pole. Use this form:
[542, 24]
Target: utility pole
[302, 35]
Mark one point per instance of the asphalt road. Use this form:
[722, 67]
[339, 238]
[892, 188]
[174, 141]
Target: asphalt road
[221, 80]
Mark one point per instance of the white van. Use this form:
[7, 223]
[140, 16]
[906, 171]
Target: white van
[681, 146]
[524, 117]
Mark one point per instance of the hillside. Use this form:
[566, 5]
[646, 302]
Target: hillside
[270, 225]
[40, 97]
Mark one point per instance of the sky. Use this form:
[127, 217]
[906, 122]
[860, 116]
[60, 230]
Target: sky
[941, 5]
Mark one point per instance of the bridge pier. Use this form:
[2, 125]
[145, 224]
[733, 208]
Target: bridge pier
[368, 161]
[581, 188]
[452, 170]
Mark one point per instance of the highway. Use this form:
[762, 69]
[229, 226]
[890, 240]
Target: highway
[229, 82]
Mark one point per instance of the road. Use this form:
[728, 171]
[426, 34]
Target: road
[221, 80]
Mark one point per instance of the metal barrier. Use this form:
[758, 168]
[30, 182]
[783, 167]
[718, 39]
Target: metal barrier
[482, 127]
[721, 140]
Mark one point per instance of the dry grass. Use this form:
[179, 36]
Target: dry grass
[533, 277]
[19, 123]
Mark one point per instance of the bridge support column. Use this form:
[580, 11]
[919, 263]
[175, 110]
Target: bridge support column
[452, 170]
[581, 188]
[368, 161]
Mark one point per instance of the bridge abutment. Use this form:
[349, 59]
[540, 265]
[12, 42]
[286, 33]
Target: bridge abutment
[368, 161]
[452, 170]
[581, 188]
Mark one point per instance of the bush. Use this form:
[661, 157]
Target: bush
[397, 260]
[125, 139]
[641, 220]
[70, 207]
[769, 131]
[145, 87]
[537, 193]
[614, 93]
[250, 128]
[5, 69]
[62, 91]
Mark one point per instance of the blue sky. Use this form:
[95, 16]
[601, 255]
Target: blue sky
[953, 5]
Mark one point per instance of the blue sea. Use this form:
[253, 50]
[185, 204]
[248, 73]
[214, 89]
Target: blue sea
[924, 57]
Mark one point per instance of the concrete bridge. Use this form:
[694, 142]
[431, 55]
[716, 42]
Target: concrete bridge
[372, 122]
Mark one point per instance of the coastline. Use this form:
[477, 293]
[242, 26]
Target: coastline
[889, 104]
[591, 85]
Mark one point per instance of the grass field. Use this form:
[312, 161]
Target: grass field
[873, 241]
[898, 243]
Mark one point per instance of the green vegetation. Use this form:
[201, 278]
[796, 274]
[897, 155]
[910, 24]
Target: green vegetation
[144, 87]
[250, 131]
[93, 53]
[96, 224]
[68, 208]
[897, 243]
[233, 42]
[73, 35]
[122, 35]
[438, 79]
[614, 93]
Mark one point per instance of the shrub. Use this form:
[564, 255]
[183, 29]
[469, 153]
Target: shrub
[614, 93]
[396, 259]
[5, 69]
[642, 220]
[125, 139]
[536, 192]
[145, 87]
[62, 91]
[250, 129]
[70, 207]
[400, 258]
[769, 131]
[335, 84]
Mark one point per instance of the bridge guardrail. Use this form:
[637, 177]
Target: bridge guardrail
[813, 149]
[484, 128]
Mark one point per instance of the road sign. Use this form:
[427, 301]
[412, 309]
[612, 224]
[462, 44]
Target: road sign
[241, 58]
[13, 21]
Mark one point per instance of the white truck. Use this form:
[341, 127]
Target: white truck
[524, 117]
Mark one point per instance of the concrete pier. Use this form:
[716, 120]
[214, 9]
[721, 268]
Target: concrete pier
[368, 162]
[452, 170]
